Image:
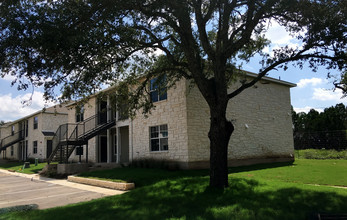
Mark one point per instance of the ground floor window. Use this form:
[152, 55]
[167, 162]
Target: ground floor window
[159, 138]
[35, 147]
[12, 150]
[79, 151]
[115, 145]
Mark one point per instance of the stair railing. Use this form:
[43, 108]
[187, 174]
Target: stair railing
[81, 131]
[59, 135]
[11, 139]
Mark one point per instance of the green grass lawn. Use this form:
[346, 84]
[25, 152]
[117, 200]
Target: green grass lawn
[322, 172]
[18, 167]
[276, 191]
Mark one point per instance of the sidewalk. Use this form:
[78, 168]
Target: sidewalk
[23, 189]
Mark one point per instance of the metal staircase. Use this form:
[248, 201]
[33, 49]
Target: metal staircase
[11, 140]
[70, 135]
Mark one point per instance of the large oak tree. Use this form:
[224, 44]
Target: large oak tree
[79, 45]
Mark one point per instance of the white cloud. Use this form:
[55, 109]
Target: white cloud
[313, 81]
[12, 108]
[328, 95]
[280, 37]
[9, 77]
[306, 109]
[277, 34]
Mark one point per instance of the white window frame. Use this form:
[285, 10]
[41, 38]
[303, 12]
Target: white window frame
[155, 87]
[162, 137]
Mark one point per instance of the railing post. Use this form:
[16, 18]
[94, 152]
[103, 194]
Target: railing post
[67, 153]
[61, 154]
[87, 152]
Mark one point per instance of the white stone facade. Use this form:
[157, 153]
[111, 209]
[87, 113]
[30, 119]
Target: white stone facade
[261, 116]
[262, 119]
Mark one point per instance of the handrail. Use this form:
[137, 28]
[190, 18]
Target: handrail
[78, 131]
[11, 139]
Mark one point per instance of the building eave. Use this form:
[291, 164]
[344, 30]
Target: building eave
[270, 79]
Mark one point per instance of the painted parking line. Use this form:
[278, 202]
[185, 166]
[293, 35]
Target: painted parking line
[38, 198]
[22, 189]
[32, 190]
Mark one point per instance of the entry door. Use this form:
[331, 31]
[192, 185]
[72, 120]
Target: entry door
[20, 151]
[102, 112]
[49, 148]
[103, 149]
[124, 156]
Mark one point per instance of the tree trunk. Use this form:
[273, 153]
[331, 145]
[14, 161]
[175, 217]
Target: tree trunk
[219, 135]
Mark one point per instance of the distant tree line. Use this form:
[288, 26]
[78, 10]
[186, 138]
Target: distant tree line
[318, 130]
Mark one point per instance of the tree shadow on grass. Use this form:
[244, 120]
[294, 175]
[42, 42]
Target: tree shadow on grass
[191, 198]
[148, 176]
[10, 164]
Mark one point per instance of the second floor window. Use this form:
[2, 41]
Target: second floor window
[12, 130]
[36, 122]
[158, 90]
[79, 114]
[26, 128]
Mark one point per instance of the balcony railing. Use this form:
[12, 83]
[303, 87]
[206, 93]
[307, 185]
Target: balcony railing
[11, 140]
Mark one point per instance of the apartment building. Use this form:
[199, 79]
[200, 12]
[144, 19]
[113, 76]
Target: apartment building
[177, 128]
[31, 136]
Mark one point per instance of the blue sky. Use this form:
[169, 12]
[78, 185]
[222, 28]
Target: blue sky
[313, 89]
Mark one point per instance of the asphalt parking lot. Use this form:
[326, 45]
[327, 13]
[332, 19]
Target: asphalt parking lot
[46, 193]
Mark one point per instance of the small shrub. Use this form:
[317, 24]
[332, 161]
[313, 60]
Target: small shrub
[321, 154]
[155, 163]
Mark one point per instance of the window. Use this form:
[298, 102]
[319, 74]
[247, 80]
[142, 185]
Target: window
[12, 130]
[35, 147]
[26, 128]
[80, 114]
[159, 138]
[36, 122]
[158, 90]
[115, 145]
[12, 151]
[26, 150]
[79, 151]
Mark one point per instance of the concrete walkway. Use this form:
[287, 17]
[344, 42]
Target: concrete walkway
[23, 189]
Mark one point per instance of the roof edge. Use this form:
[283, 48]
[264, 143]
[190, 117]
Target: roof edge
[270, 79]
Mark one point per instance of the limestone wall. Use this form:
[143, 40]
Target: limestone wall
[173, 112]
[262, 119]
[51, 121]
